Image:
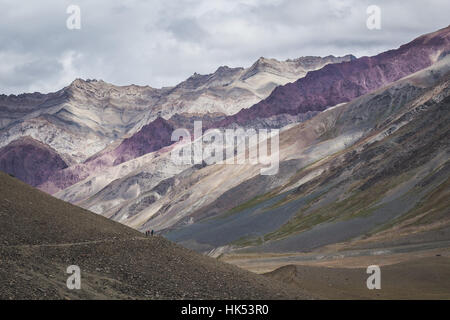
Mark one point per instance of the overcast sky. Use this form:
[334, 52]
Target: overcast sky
[160, 43]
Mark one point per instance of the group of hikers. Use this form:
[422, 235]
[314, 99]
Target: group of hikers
[148, 233]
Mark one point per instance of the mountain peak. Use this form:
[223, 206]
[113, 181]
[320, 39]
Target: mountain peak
[226, 69]
[81, 82]
[265, 61]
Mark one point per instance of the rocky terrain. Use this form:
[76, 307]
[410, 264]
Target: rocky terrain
[173, 199]
[368, 165]
[93, 124]
[90, 183]
[82, 119]
[79, 120]
[30, 160]
[228, 90]
[363, 164]
[116, 262]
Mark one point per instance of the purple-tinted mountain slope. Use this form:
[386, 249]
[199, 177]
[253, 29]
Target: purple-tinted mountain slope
[331, 85]
[30, 161]
[342, 82]
[151, 137]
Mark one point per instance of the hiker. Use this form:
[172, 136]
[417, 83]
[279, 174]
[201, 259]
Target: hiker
[152, 232]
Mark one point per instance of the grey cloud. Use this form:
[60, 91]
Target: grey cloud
[161, 42]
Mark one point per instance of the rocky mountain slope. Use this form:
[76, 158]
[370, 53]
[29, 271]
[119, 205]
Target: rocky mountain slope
[362, 151]
[93, 124]
[116, 262]
[338, 83]
[30, 161]
[378, 164]
[83, 118]
[228, 90]
[79, 120]
[150, 192]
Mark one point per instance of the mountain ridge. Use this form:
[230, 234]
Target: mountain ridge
[338, 83]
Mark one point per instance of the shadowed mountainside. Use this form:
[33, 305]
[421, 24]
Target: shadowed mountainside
[378, 163]
[142, 191]
[40, 236]
[30, 160]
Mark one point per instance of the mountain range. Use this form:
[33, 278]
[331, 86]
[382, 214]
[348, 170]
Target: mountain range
[363, 154]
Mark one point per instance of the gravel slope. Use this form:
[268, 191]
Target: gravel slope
[41, 236]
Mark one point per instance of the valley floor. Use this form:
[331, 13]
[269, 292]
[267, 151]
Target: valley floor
[134, 268]
[419, 271]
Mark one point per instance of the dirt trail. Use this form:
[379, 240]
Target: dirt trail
[69, 244]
